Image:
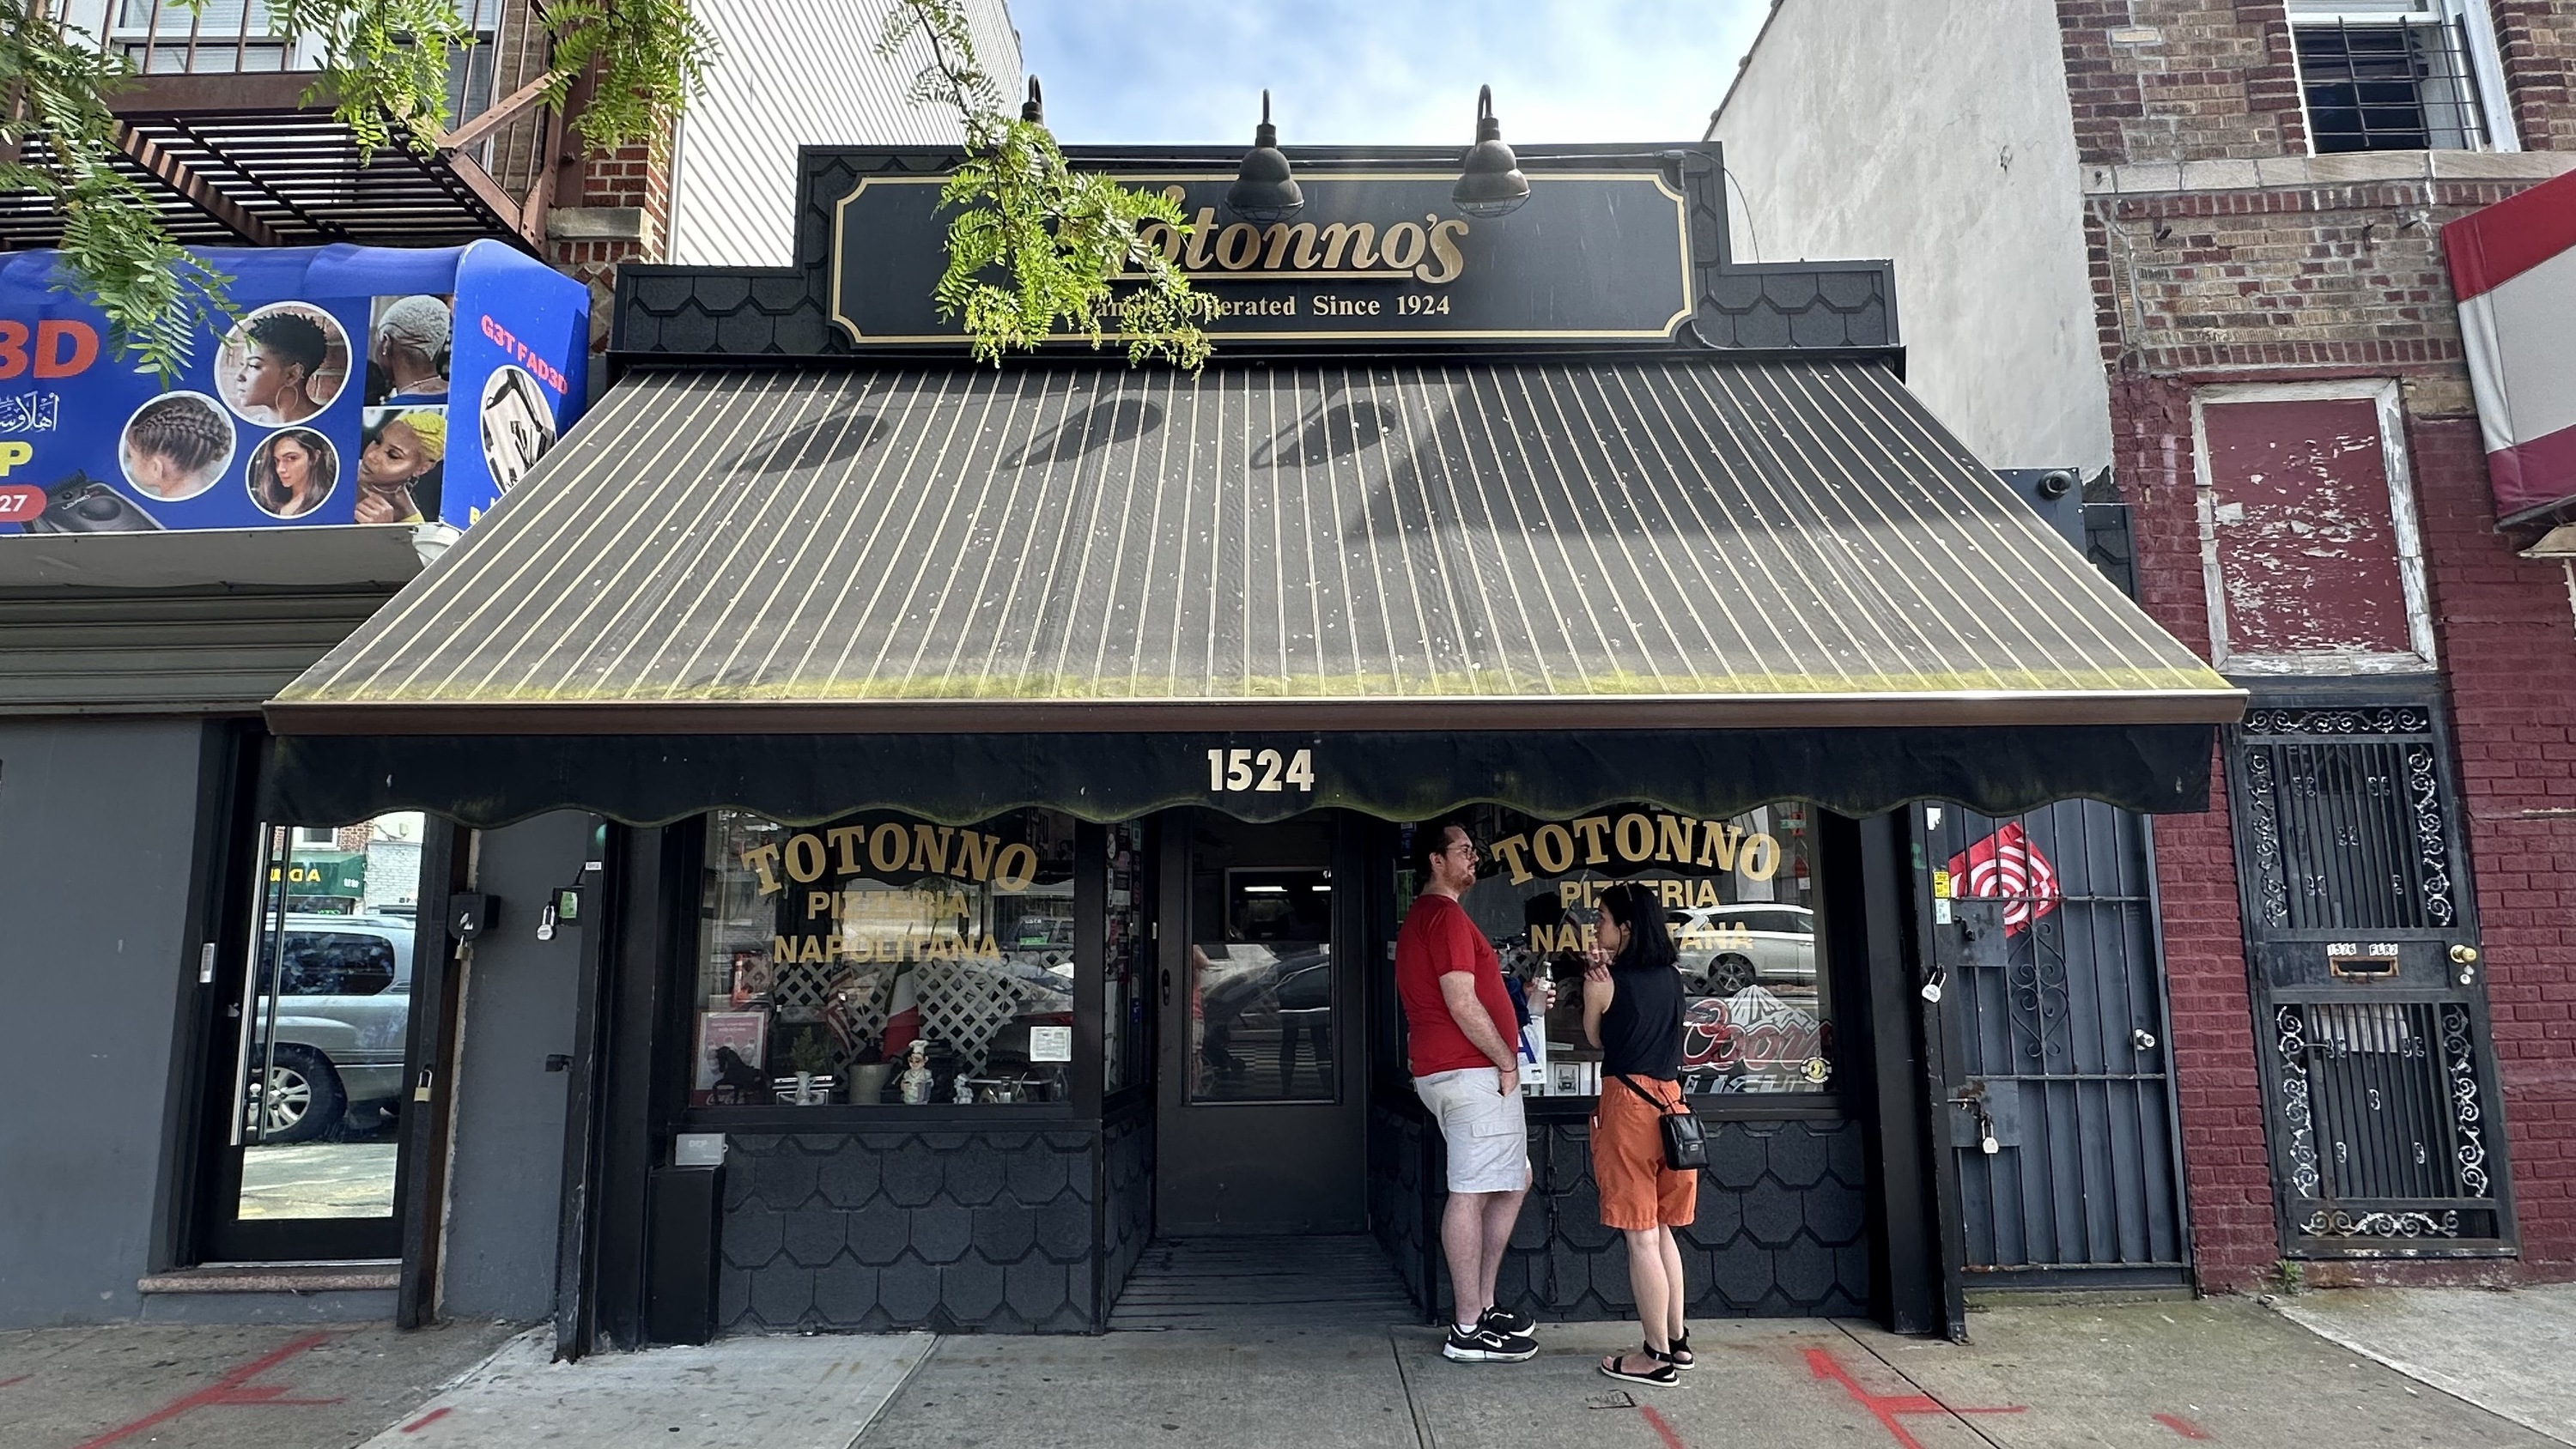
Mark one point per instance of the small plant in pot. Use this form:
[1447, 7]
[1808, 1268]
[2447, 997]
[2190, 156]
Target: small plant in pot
[869, 1073]
[811, 1056]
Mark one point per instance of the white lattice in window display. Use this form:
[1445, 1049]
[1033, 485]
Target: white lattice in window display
[963, 1004]
[799, 990]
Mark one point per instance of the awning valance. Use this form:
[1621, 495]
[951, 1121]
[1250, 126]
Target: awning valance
[957, 779]
[1669, 542]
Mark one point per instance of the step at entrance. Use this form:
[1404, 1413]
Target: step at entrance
[1237, 1283]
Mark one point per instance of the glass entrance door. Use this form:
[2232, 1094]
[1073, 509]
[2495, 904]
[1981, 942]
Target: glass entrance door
[1261, 1126]
[316, 1022]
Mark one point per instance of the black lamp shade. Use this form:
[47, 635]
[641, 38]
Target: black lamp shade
[1490, 182]
[1264, 191]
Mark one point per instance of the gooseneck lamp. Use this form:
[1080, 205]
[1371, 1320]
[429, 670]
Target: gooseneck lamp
[1490, 182]
[1263, 190]
[1033, 110]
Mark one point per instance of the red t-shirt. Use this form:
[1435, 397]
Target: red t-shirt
[1436, 939]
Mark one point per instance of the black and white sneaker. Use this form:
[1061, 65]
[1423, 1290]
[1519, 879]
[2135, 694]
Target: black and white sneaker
[1508, 1324]
[1484, 1345]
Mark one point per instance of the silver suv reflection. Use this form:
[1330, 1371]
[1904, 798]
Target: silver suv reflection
[343, 1014]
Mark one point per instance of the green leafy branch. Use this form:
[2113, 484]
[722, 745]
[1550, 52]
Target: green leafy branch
[58, 142]
[1035, 245]
[382, 65]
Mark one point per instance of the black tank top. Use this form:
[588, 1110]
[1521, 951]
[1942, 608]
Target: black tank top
[1641, 1032]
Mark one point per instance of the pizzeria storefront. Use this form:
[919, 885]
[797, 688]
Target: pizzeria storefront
[1005, 775]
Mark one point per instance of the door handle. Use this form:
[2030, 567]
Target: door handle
[2143, 1039]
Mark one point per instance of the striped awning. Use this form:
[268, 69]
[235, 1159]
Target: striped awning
[1673, 542]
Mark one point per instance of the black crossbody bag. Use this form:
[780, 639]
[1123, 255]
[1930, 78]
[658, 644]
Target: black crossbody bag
[1685, 1149]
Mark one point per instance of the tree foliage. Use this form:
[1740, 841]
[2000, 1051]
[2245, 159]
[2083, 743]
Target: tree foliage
[1035, 246]
[382, 66]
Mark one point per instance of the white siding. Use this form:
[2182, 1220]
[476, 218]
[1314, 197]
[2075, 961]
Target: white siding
[1939, 135]
[793, 75]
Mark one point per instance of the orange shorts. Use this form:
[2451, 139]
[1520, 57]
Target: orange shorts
[1637, 1190]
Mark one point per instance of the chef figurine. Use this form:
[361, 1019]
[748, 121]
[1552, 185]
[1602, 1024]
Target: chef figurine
[965, 1093]
[916, 1080]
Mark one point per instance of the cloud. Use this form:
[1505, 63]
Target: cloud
[1395, 72]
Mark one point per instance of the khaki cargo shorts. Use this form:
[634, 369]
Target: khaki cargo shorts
[1488, 1134]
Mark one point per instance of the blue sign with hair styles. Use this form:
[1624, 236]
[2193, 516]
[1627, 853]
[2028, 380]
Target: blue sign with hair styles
[356, 385]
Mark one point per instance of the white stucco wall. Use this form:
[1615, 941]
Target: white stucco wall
[1938, 134]
[790, 75]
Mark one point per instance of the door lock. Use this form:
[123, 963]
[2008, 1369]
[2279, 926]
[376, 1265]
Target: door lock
[2143, 1039]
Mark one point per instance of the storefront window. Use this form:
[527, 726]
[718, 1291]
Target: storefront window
[1740, 899]
[1260, 977]
[1126, 961]
[327, 1020]
[882, 959]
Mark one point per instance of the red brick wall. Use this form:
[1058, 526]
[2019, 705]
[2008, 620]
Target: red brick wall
[2309, 283]
[629, 177]
[2227, 1175]
[2508, 646]
[2509, 651]
[2538, 42]
[2217, 81]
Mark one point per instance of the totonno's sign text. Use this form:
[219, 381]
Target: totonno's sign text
[1595, 255]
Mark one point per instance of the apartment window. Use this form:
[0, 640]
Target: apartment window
[2400, 75]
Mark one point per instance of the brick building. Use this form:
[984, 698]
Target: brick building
[2193, 250]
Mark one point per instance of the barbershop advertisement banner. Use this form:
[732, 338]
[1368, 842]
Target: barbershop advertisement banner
[356, 385]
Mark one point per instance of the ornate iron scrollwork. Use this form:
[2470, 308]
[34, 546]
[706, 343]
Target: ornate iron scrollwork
[2290, 1036]
[2461, 1062]
[2337, 1223]
[2399, 720]
[2432, 844]
[2263, 816]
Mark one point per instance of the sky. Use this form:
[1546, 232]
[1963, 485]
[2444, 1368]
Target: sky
[1394, 72]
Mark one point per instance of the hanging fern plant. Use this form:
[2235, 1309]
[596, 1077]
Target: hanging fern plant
[1036, 249]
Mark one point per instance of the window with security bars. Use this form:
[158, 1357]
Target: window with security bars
[2398, 75]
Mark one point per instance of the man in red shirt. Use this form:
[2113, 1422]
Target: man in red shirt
[1462, 1038]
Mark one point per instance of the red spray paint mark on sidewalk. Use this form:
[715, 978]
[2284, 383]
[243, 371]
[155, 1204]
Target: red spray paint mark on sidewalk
[2183, 1426]
[20, 1379]
[425, 1420]
[1888, 1408]
[234, 1388]
[1662, 1430]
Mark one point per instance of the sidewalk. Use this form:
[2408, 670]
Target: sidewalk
[2037, 1377]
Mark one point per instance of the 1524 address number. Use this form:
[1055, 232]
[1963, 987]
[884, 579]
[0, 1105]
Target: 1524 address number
[1238, 771]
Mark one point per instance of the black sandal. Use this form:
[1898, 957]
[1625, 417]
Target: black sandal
[1679, 1355]
[1661, 1375]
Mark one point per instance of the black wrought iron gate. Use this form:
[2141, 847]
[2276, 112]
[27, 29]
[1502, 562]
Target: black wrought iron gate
[2052, 1008]
[2369, 997]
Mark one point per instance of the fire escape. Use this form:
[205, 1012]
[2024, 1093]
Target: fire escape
[222, 125]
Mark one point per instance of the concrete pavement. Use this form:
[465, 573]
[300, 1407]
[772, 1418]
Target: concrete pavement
[2133, 1375]
[203, 1387]
[2510, 1350]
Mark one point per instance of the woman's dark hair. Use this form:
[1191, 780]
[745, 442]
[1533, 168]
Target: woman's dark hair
[1640, 912]
[1429, 840]
[297, 339]
[321, 470]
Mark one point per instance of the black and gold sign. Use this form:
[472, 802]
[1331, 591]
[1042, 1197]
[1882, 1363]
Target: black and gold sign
[1593, 256]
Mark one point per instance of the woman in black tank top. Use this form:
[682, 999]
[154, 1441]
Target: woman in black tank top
[1632, 1011]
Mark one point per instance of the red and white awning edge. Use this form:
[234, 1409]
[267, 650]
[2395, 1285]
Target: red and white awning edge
[2513, 267]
